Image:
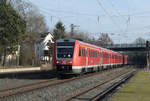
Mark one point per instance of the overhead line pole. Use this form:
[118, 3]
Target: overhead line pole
[72, 29]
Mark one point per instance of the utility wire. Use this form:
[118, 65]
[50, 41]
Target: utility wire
[100, 4]
[88, 14]
[116, 10]
[63, 17]
[126, 20]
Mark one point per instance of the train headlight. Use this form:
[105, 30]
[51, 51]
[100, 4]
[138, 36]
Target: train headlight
[57, 62]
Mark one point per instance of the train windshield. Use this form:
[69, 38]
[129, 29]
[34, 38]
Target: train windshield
[65, 49]
[64, 52]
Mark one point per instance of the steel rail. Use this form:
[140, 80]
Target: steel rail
[50, 83]
[101, 95]
[39, 87]
[91, 88]
[26, 85]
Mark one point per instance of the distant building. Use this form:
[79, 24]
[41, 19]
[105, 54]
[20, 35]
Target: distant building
[41, 47]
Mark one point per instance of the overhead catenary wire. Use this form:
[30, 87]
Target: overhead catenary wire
[71, 22]
[139, 28]
[98, 16]
[116, 10]
[127, 21]
[89, 14]
[100, 4]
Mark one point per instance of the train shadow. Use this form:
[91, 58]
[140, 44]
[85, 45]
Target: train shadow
[40, 75]
[65, 76]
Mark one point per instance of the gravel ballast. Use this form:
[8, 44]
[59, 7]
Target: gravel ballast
[59, 92]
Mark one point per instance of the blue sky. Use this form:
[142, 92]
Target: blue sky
[127, 19]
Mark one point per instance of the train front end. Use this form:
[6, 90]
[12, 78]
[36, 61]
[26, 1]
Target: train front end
[63, 54]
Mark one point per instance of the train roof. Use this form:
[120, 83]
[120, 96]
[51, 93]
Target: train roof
[84, 43]
[66, 40]
[98, 47]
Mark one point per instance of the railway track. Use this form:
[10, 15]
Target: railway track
[75, 96]
[39, 85]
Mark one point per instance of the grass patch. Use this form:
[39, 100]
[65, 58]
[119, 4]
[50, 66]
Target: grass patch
[137, 89]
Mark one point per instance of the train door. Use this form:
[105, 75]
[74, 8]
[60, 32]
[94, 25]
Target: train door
[86, 57]
[109, 56]
[100, 57]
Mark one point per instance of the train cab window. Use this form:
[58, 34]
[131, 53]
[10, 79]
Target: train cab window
[64, 52]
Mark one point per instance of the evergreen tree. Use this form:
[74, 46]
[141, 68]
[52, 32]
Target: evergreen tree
[59, 31]
[12, 28]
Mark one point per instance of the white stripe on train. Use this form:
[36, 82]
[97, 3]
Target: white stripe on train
[79, 67]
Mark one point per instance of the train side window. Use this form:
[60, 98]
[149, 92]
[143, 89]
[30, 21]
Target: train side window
[96, 54]
[105, 55]
[79, 51]
[91, 53]
[86, 53]
[99, 54]
[82, 52]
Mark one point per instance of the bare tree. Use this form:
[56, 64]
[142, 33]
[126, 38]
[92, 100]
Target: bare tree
[79, 35]
[104, 39]
[35, 21]
[36, 26]
[140, 41]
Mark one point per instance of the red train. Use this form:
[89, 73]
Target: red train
[74, 56]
